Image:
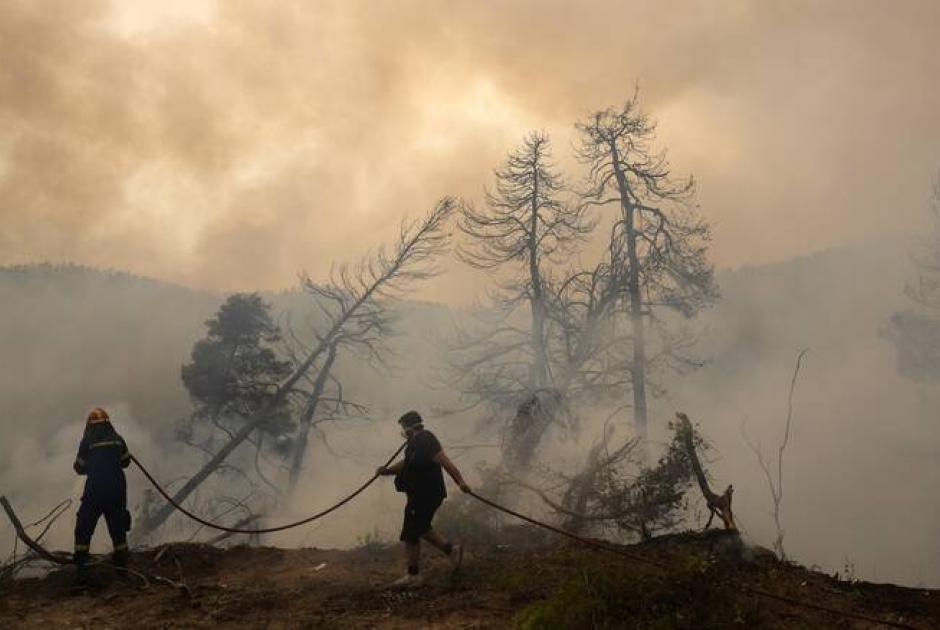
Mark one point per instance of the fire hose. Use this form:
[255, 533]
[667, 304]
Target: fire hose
[62, 558]
[65, 558]
[263, 530]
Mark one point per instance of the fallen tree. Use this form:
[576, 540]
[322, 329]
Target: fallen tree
[359, 298]
[615, 487]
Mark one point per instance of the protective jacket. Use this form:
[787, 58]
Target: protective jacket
[102, 457]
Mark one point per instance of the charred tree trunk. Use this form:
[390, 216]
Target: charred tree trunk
[539, 376]
[524, 224]
[377, 279]
[638, 365]
[524, 435]
[576, 497]
[159, 516]
[658, 245]
[306, 420]
[718, 504]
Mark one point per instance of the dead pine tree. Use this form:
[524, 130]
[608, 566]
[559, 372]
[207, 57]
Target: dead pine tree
[360, 299]
[776, 485]
[658, 236]
[587, 340]
[369, 321]
[524, 227]
[308, 417]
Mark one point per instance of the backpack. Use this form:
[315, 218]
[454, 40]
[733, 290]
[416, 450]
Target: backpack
[401, 477]
[400, 483]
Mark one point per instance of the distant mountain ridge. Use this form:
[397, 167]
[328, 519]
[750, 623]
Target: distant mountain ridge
[58, 321]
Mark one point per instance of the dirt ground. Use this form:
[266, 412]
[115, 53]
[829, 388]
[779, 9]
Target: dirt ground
[196, 586]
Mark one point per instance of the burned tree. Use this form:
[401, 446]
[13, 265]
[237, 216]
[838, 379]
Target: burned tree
[308, 417]
[658, 236]
[585, 349]
[587, 343]
[776, 485]
[525, 429]
[718, 504]
[525, 227]
[382, 275]
[361, 297]
[615, 489]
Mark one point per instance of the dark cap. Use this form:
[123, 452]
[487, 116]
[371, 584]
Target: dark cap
[410, 420]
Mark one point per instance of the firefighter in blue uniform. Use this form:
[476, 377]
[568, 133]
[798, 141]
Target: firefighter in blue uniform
[102, 458]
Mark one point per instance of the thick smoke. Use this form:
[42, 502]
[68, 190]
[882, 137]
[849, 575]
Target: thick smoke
[233, 144]
[231, 147]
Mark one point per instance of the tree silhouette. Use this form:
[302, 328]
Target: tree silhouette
[234, 371]
[915, 332]
[525, 227]
[356, 306]
[658, 237]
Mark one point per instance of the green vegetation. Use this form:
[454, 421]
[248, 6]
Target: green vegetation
[619, 594]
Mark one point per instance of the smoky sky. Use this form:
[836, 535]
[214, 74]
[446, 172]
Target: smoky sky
[229, 145]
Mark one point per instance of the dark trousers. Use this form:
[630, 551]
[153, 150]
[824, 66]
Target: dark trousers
[419, 512]
[115, 515]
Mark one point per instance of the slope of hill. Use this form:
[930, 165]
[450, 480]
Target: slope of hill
[73, 338]
[863, 450]
[865, 442]
[683, 581]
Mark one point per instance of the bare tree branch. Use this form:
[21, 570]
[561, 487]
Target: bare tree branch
[776, 486]
[356, 302]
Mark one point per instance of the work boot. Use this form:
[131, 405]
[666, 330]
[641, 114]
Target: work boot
[81, 570]
[119, 560]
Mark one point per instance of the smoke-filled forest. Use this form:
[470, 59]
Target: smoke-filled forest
[668, 315]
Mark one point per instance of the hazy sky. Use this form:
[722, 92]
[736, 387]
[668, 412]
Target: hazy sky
[231, 144]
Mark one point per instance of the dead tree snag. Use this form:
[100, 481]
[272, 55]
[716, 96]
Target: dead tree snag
[718, 504]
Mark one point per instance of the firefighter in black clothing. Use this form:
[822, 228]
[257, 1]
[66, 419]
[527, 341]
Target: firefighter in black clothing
[102, 457]
[419, 476]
